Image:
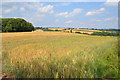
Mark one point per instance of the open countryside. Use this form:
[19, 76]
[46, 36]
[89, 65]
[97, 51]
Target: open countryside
[46, 54]
[59, 40]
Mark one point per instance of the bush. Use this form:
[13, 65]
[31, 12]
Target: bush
[106, 33]
[85, 33]
[15, 25]
[56, 30]
[78, 32]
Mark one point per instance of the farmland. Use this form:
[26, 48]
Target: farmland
[88, 31]
[44, 54]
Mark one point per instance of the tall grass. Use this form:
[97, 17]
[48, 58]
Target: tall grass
[60, 55]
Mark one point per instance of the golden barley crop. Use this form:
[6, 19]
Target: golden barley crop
[59, 55]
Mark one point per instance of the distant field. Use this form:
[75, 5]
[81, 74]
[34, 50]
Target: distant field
[78, 30]
[42, 54]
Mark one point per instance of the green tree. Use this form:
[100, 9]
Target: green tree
[16, 25]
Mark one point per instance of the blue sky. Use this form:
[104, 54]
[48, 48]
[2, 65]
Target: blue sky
[64, 14]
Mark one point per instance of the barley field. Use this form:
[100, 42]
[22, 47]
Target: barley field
[59, 55]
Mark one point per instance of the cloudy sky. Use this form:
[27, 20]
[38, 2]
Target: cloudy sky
[64, 14]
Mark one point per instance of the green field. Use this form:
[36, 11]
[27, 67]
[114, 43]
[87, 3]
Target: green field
[59, 55]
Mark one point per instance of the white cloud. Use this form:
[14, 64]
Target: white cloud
[71, 14]
[101, 9]
[9, 10]
[33, 12]
[57, 0]
[69, 21]
[41, 13]
[22, 9]
[63, 14]
[111, 2]
[33, 6]
[106, 19]
[37, 17]
[46, 9]
[21, 0]
[65, 4]
[57, 20]
[95, 12]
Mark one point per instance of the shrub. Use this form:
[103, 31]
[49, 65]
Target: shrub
[85, 33]
[56, 30]
[78, 32]
[105, 33]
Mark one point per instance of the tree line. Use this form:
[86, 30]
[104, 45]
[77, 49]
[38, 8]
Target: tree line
[15, 25]
[115, 33]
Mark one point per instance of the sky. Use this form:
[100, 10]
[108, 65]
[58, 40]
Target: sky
[64, 14]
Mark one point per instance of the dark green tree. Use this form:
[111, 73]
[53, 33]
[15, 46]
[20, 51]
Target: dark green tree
[15, 25]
